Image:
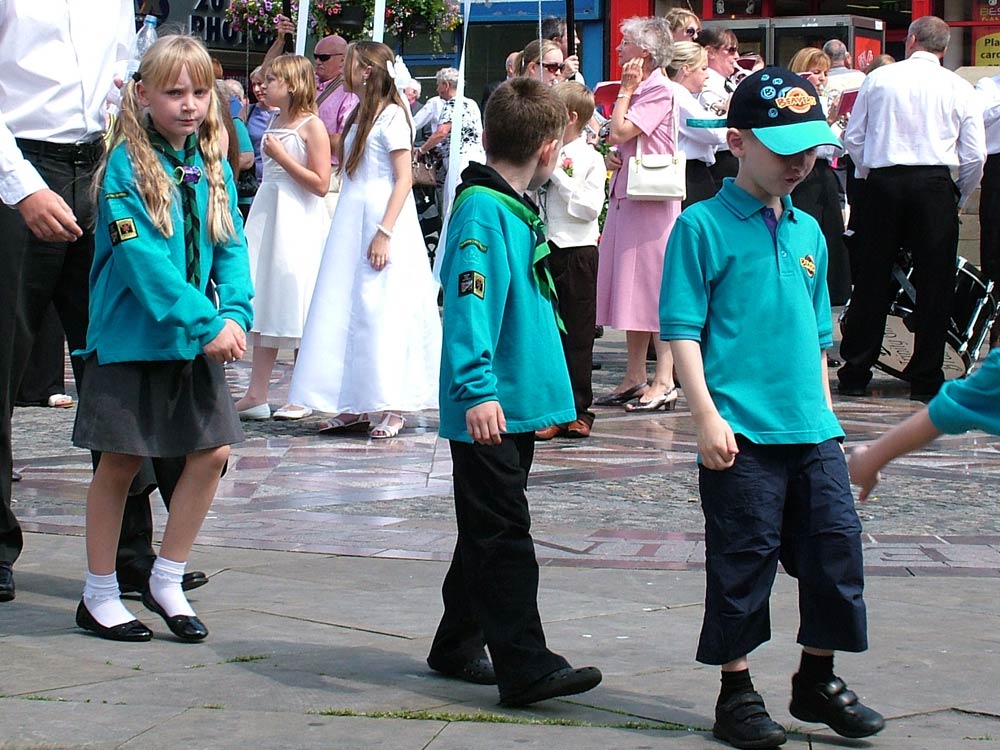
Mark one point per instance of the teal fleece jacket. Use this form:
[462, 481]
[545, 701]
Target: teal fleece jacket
[501, 342]
[141, 306]
[972, 403]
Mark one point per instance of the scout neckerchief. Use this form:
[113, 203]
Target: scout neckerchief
[187, 174]
[539, 264]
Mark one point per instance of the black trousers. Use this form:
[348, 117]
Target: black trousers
[989, 218]
[574, 272]
[913, 209]
[700, 183]
[491, 589]
[819, 196]
[44, 373]
[35, 275]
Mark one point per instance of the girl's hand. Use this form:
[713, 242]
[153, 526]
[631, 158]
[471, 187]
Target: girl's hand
[864, 470]
[229, 345]
[272, 146]
[378, 251]
[632, 76]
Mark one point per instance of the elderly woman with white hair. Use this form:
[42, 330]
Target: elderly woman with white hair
[471, 146]
[630, 265]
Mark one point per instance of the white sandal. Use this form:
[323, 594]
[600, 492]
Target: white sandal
[60, 401]
[385, 429]
[345, 423]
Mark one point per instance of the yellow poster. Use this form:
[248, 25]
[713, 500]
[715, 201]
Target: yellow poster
[987, 50]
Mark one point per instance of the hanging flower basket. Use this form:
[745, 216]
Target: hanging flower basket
[351, 19]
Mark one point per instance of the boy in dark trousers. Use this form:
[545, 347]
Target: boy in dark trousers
[503, 376]
[745, 306]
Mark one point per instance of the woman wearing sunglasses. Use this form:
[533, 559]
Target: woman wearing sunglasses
[541, 60]
[685, 26]
[630, 261]
[723, 51]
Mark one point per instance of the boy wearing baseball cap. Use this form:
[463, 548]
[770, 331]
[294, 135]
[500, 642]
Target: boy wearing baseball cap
[745, 306]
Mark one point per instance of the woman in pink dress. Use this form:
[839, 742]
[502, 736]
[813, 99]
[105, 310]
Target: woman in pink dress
[630, 265]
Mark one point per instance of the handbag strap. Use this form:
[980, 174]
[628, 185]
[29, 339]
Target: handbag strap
[674, 117]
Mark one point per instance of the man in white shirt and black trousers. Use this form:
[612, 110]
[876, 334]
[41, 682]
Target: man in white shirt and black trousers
[912, 122]
[58, 59]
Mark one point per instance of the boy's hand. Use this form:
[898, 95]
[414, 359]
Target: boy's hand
[613, 160]
[230, 344]
[485, 423]
[864, 471]
[716, 444]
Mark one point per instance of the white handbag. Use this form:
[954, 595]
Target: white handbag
[657, 177]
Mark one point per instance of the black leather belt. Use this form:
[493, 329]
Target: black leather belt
[76, 153]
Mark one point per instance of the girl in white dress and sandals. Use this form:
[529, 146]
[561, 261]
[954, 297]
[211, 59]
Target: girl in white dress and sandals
[287, 226]
[372, 342]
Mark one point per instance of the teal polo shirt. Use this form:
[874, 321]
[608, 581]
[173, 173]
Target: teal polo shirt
[759, 306]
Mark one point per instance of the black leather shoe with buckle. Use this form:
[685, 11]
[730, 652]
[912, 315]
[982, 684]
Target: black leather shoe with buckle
[743, 722]
[833, 704]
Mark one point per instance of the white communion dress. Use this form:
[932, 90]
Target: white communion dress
[372, 341]
[285, 230]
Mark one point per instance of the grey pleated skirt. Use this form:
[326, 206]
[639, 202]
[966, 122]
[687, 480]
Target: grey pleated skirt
[158, 409]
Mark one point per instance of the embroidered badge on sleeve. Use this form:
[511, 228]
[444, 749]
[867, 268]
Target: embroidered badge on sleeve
[473, 243]
[471, 282]
[122, 230]
[809, 264]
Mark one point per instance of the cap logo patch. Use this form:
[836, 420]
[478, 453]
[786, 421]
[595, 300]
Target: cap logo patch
[809, 264]
[796, 99]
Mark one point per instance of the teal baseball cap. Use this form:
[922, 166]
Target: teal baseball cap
[782, 109]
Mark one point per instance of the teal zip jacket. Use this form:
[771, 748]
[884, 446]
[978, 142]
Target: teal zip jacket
[141, 306]
[501, 342]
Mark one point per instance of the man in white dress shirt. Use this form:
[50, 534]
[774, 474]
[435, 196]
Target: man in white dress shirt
[912, 122]
[58, 59]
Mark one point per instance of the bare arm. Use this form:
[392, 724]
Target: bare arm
[443, 131]
[716, 441]
[622, 129]
[402, 171]
[314, 175]
[284, 27]
[909, 435]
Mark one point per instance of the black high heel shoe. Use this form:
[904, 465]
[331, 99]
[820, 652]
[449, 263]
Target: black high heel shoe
[667, 402]
[186, 627]
[132, 631]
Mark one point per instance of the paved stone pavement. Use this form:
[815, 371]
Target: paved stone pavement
[326, 556]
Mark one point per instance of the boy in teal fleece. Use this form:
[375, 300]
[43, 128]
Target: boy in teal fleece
[503, 376]
[960, 406]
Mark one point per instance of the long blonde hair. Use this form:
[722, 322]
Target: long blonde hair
[161, 66]
[379, 91]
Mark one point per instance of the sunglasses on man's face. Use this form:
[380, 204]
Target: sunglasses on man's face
[553, 67]
[323, 58]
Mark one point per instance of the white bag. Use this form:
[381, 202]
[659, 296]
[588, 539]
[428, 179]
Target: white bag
[657, 177]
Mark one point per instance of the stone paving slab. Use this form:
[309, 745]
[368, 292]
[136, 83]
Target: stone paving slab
[294, 634]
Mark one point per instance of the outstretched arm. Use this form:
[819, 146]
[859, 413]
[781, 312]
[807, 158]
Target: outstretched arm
[909, 435]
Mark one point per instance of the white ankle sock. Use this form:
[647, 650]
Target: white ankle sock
[102, 598]
[165, 586]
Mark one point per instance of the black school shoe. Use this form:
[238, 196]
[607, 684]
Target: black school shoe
[833, 704]
[564, 681]
[743, 722]
[132, 631]
[134, 579]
